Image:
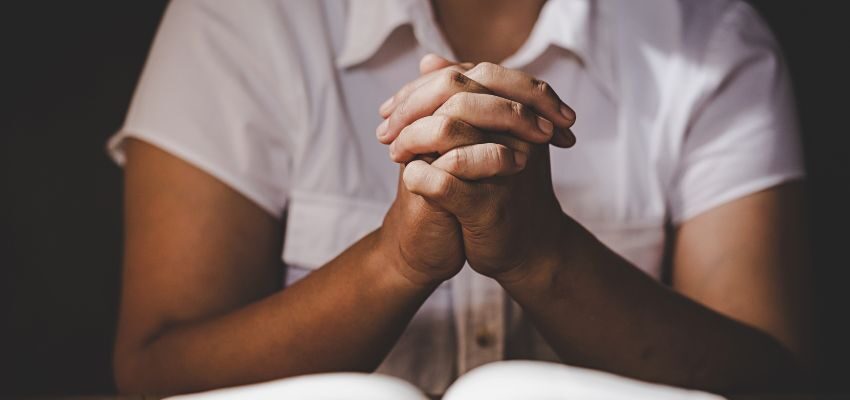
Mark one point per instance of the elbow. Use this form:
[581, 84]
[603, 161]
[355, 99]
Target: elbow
[781, 371]
[796, 376]
[131, 373]
[125, 373]
[792, 368]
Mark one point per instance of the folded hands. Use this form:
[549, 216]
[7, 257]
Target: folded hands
[475, 181]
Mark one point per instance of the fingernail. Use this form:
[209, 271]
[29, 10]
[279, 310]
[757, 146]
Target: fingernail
[382, 129]
[569, 136]
[545, 125]
[386, 105]
[568, 113]
[520, 159]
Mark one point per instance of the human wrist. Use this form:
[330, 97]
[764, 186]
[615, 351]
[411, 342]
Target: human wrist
[552, 259]
[386, 253]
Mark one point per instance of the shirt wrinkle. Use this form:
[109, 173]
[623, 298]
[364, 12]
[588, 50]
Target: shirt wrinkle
[292, 128]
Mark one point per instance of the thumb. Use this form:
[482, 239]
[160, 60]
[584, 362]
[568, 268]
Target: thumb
[437, 186]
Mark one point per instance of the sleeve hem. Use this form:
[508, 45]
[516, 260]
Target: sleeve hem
[115, 150]
[735, 193]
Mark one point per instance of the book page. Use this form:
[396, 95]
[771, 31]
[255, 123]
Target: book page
[333, 386]
[534, 380]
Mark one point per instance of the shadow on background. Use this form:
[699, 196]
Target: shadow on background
[71, 68]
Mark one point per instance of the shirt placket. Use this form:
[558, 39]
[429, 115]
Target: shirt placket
[479, 314]
[478, 302]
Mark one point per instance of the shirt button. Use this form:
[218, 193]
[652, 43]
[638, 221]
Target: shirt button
[484, 339]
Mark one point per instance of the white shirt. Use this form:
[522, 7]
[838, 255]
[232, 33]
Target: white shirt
[682, 105]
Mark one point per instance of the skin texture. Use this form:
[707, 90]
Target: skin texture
[211, 317]
[201, 306]
[505, 22]
[735, 321]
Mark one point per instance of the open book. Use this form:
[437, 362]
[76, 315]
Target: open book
[497, 381]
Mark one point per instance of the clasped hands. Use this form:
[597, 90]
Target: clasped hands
[475, 180]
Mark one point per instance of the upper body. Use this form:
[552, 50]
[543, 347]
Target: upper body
[684, 107]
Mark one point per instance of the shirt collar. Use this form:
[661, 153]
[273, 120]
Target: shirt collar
[575, 26]
[370, 22]
[563, 23]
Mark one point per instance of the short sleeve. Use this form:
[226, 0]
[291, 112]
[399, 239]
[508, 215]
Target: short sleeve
[212, 94]
[743, 136]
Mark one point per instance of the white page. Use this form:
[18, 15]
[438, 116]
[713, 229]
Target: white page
[334, 386]
[534, 380]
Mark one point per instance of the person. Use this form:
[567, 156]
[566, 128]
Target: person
[604, 183]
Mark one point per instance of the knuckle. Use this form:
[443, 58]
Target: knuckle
[443, 187]
[400, 112]
[459, 159]
[541, 87]
[504, 155]
[517, 109]
[445, 126]
[499, 155]
[486, 68]
[453, 79]
[456, 102]
[544, 89]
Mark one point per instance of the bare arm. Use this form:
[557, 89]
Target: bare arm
[735, 322]
[736, 317]
[200, 302]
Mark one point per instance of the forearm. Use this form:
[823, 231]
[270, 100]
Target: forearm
[597, 310]
[343, 317]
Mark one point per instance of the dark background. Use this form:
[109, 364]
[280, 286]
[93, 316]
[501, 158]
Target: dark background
[69, 69]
